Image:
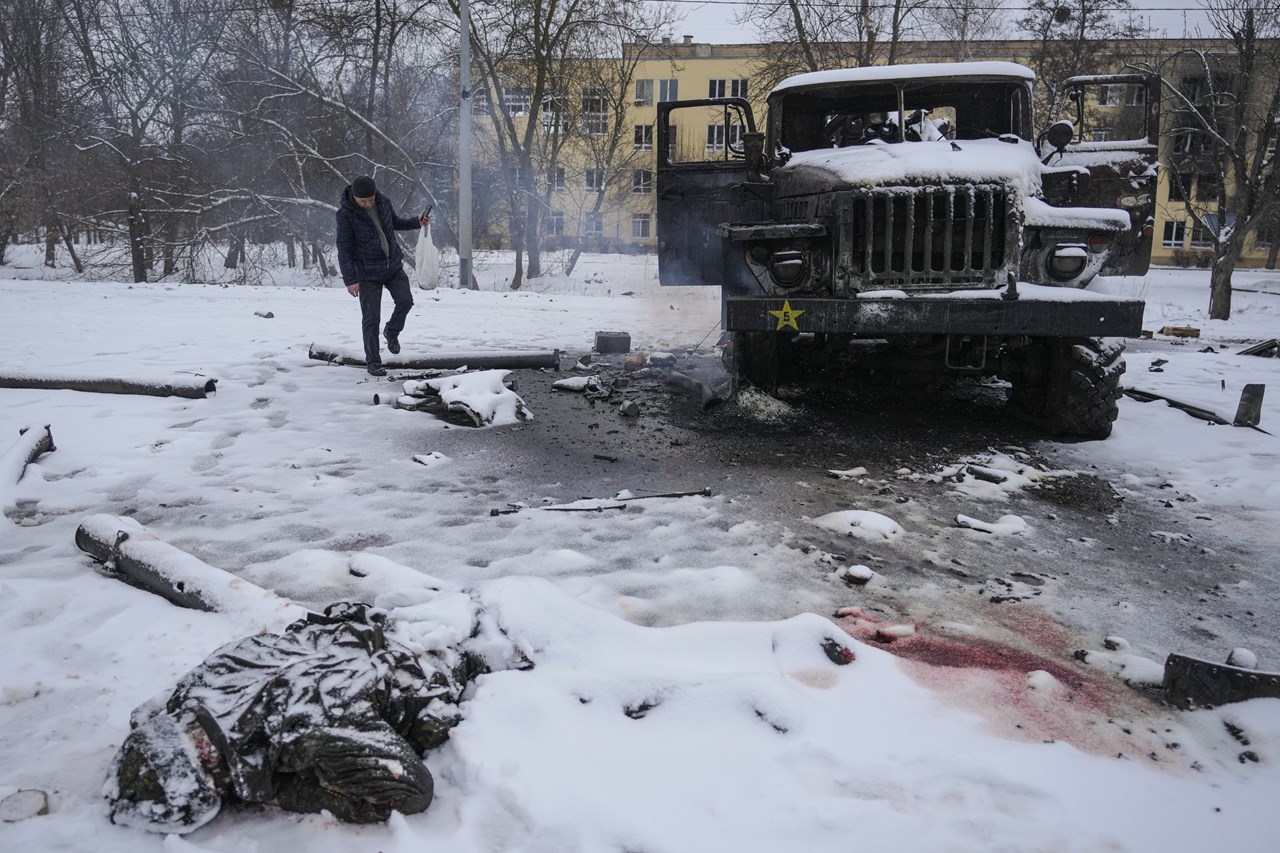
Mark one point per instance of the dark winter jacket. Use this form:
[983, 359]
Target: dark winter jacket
[360, 255]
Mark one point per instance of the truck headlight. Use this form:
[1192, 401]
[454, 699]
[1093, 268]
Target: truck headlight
[1067, 260]
[788, 268]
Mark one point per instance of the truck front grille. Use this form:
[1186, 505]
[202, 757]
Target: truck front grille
[929, 238]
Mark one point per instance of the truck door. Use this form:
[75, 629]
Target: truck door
[700, 160]
[1117, 119]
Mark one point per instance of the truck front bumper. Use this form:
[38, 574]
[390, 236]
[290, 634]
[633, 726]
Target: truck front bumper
[1038, 311]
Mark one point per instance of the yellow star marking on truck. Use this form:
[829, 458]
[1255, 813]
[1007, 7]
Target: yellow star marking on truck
[786, 317]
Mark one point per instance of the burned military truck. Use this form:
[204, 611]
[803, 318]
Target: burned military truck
[917, 205]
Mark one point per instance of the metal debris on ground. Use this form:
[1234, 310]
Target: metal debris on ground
[1180, 331]
[1193, 683]
[1266, 349]
[613, 342]
[1249, 412]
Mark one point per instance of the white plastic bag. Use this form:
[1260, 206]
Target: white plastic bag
[427, 260]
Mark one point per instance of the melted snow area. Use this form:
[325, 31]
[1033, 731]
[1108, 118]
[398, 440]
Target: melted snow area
[691, 688]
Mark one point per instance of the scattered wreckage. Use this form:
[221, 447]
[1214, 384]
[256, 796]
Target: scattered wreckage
[916, 204]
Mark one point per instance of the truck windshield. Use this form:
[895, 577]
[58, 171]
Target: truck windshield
[904, 111]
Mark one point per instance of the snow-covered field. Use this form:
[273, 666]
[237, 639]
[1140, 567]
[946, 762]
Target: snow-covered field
[290, 477]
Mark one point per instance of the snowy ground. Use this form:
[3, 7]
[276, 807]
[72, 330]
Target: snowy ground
[291, 477]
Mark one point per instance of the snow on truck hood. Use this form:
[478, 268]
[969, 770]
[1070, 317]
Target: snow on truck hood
[978, 161]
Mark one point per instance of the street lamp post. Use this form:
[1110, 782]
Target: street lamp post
[464, 146]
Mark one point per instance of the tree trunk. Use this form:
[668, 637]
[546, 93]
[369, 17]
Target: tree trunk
[50, 242]
[235, 253]
[1220, 288]
[325, 269]
[292, 251]
[1271, 255]
[517, 279]
[137, 257]
[170, 242]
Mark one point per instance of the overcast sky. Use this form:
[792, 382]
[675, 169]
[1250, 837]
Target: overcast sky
[712, 20]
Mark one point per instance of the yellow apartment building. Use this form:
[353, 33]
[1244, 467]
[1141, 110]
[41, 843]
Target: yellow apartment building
[624, 219]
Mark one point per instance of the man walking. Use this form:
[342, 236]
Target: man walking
[370, 259]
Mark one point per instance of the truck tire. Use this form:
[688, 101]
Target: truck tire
[1076, 390]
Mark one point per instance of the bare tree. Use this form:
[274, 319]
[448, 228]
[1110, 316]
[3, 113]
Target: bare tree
[814, 35]
[963, 22]
[1073, 37]
[1227, 121]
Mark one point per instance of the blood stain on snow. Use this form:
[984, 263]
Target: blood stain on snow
[992, 679]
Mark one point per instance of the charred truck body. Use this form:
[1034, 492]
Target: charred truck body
[916, 204]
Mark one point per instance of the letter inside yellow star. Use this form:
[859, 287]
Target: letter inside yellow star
[786, 317]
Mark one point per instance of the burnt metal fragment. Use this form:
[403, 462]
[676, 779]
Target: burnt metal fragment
[1193, 683]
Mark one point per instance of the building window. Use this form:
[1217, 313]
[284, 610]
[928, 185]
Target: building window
[1193, 88]
[1135, 95]
[518, 100]
[640, 226]
[1109, 96]
[644, 93]
[1179, 186]
[555, 181]
[1100, 135]
[592, 224]
[595, 180]
[480, 101]
[735, 136]
[595, 110]
[1201, 238]
[642, 181]
[738, 87]
[555, 223]
[552, 113]
[668, 90]
[715, 88]
[644, 137]
[1207, 184]
[715, 137]
[1175, 234]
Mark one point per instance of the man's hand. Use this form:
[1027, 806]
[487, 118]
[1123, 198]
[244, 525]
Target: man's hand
[424, 219]
[354, 289]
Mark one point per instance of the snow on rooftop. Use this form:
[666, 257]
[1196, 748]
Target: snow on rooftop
[917, 71]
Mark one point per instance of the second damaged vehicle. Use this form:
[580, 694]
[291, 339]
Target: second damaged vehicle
[917, 205]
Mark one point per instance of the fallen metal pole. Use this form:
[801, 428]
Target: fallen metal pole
[30, 446]
[131, 553]
[192, 389]
[515, 360]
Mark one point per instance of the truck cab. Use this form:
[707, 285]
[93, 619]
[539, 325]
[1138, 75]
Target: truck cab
[917, 204]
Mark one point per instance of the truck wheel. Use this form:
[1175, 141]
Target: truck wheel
[1072, 387]
[756, 359]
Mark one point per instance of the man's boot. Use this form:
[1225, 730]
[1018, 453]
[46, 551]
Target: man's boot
[393, 340]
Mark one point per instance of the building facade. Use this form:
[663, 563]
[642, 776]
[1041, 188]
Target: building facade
[612, 207]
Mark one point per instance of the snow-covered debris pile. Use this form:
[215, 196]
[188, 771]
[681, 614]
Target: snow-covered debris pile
[483, 396]
[861, 524]
[992, 475]
[1005, 525]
